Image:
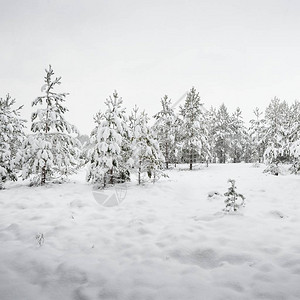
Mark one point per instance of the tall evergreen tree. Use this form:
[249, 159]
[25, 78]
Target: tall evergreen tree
[223, 133]
[295, 136]
[11, 137]
[176, 155]
[238, 136]
[50, 150]
[257, 133]
[277, 117]
[211, 129]
[248, 150]
[194, 130]
[147, 157]
[108, 155]
[165, 128]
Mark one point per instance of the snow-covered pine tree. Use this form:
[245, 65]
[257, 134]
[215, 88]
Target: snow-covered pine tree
[11, 137]
[109, 150]
[176, 155]
[222, 133]
[295, 152]
[248, 149]
[295, 136]
[84, 139]
[238, 136]
[232, 201]
[257, 133]
[277, 117]
[211, 118]
[194, 131]
[147, 157]
[165, 128]
[50, 151]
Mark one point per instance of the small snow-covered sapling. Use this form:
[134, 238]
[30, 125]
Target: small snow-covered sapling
[40, 239]
[233, 203]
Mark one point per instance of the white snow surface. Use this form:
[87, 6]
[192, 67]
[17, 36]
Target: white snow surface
[168, 240]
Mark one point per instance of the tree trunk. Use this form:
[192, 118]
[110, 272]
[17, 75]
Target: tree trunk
[191, 160]
[221, 157]
[44, 170]
[224, 152]
[111, 179]
[44, 173]
[167, 157]
[139, 174]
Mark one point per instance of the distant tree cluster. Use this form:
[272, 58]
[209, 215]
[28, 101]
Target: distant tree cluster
[282, 135]
[122, 143]
[214, 135]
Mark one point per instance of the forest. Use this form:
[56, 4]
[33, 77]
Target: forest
[125, 141]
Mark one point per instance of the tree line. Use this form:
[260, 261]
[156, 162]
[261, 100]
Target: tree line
[122, 143]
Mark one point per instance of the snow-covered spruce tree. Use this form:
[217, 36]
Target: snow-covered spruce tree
[109, 145]
[257, 133]
[223, 134]
[277, 134]
[248, 150]
[211, 121]
[165, 128]
[50, 151]
[295, 137]
[238, 136]
[147, 157]
[84, 139]
[234, 200]
[11, 137]
[194, 131]
[176, 155]
[295, 152]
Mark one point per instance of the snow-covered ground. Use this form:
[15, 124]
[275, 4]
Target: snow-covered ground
[168, 240]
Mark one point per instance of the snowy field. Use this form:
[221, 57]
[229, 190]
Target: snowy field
[165, 241]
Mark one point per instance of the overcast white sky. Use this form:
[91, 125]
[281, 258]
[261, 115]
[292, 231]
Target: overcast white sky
[242, 52]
